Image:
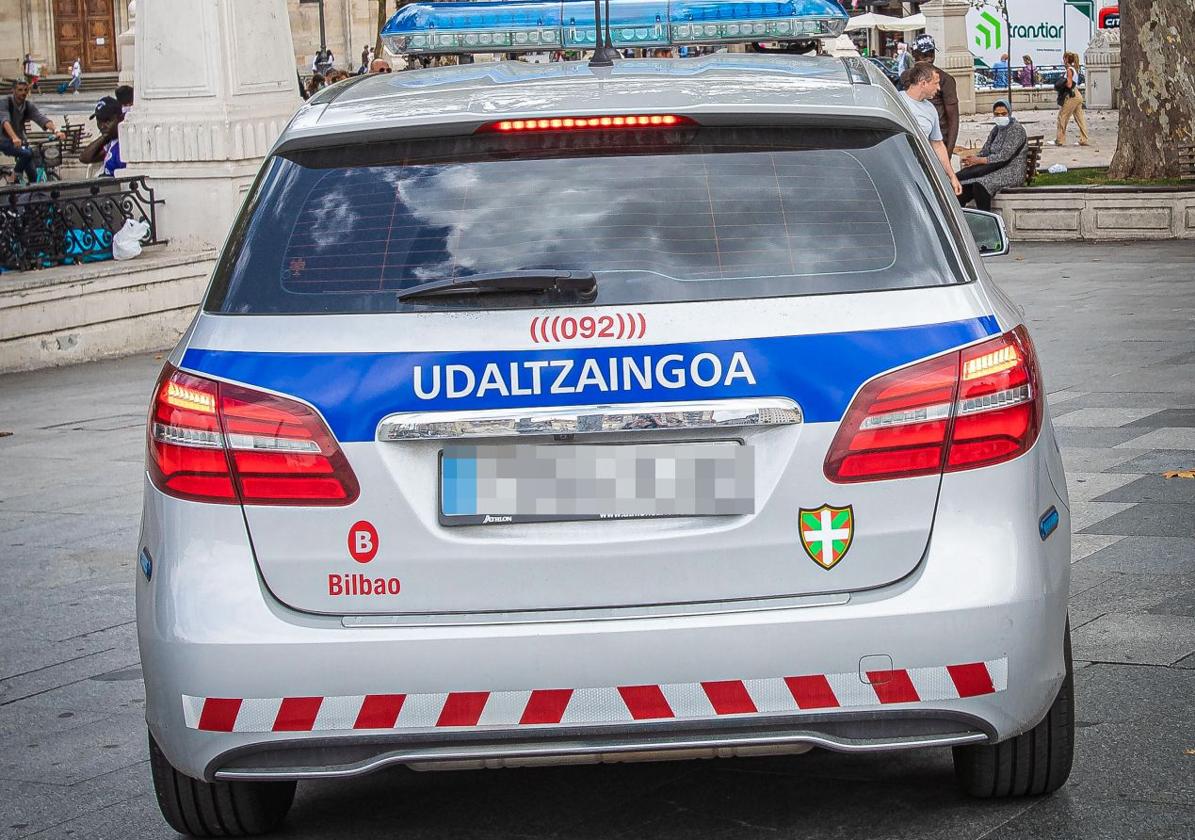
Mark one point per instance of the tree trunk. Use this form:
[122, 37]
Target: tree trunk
[382, 18]
[1157, 87]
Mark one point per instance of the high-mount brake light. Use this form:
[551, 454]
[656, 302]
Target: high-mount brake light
[533, 25]
[970, 408]
[585, 123]
[214, 442]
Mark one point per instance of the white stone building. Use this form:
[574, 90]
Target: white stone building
[57, 32]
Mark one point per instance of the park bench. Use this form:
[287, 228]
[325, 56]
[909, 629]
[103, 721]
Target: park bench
[1186, 162]
[76, 138]
[1032, 158]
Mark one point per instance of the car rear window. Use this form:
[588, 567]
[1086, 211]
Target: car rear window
[688, 213]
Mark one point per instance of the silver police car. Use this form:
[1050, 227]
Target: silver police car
[541, 414]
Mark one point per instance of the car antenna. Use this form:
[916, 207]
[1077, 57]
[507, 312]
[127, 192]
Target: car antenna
[604, 52]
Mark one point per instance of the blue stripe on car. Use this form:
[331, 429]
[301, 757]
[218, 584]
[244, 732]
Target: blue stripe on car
[821, 372]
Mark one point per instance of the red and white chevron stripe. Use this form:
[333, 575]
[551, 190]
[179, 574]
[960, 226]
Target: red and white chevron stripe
[585, 706]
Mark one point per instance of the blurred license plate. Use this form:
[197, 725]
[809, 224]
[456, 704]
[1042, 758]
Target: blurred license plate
[490, 485]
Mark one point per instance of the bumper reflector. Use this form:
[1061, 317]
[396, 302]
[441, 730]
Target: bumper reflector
[1048, 523]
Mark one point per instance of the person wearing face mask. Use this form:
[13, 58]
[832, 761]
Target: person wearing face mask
[1000, 164]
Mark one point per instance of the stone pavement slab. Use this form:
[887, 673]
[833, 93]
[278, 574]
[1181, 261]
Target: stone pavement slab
[1153, 488]
[1136, 638]
[1156, 461]
[1148, 555]
[1145, 520]
[1115, 328]
[1180, 438]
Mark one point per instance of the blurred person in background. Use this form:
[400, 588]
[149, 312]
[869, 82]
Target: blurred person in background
[1027, 75]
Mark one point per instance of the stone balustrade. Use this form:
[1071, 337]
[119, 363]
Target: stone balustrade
[1098, 214]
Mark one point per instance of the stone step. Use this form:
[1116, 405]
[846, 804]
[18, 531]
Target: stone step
[91, 83]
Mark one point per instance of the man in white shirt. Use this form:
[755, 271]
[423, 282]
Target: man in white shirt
[923, 84]
[76, 76]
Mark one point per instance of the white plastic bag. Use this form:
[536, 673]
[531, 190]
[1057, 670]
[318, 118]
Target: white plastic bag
[1057, 169]
[126, 242]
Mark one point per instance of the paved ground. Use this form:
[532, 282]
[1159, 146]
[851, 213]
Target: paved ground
[1116, 328]
[1102, 129]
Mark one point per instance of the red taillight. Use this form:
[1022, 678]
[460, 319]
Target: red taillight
[610, 121]
[999, 402]
[967, 409]
[215, 442]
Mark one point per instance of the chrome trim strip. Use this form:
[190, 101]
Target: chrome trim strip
[590, 419]
[582, 747]
[557, 616]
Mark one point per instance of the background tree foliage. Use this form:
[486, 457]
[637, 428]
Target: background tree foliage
[1157, 87]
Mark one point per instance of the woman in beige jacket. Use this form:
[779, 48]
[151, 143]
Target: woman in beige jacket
[1070, 102]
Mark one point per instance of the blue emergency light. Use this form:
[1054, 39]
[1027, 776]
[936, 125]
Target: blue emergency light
[533, 25]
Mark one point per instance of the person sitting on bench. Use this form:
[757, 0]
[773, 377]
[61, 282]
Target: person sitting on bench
[999, 165]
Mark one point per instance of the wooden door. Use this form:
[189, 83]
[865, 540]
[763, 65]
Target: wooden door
[85, 29]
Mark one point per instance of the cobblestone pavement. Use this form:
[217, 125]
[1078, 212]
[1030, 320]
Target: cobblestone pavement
[1116, 328]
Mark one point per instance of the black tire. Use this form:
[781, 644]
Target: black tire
[1032, 764]
[217, 809]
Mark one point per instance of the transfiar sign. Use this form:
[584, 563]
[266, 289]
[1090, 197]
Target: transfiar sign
[1040, 29]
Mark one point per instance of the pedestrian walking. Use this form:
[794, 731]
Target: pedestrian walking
[16, 111]
[922, 84]
[904, 58]
[1000, 164]
[1027, 75]
[76, 76]
[32, 71]
[1070, 101]
[366, 58]
[945, 101]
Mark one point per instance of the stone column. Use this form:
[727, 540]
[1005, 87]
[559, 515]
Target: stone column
[1103, 70]
[946, 20]
[215, 87]
[126, 47]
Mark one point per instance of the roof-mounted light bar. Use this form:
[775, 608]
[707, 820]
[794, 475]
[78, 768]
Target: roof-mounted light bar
[533, 25]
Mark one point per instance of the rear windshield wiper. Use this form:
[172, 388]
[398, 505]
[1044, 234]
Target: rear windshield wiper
[582, 283]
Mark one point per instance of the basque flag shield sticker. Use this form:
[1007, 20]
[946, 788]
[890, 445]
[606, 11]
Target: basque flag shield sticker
[826, 534]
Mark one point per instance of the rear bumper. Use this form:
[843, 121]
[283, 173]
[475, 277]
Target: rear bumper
[341, 757]
[988, 591]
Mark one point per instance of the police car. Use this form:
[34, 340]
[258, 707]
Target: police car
[543, 414]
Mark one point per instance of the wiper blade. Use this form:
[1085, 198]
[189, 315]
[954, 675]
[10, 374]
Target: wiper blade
[582, 283]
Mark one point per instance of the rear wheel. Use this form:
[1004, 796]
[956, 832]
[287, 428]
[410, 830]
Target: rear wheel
[217, 809]
[1037, 762]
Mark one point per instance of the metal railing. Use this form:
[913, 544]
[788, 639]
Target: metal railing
[67, 222]
[1044, 76]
